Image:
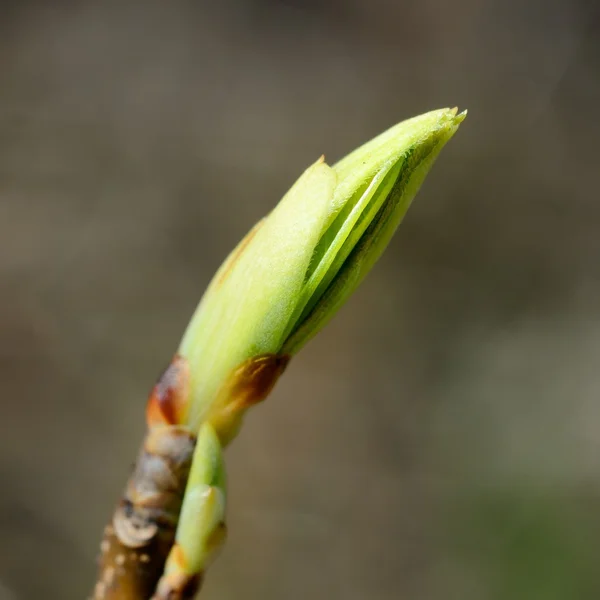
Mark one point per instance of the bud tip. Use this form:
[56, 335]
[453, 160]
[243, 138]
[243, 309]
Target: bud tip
[460, 117]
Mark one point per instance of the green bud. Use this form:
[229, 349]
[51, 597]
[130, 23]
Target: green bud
[201, 527]
[295, 269]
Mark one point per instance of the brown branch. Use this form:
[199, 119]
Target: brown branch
[141, 533]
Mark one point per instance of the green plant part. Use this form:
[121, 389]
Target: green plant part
[297, 266]
[201, 529]
[275, 291]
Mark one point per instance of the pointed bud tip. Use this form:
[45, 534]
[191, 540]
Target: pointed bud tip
[460, 117]
[456, 117]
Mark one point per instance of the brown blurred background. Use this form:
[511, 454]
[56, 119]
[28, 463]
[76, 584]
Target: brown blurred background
[441, 439]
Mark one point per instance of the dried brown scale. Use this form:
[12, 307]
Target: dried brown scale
[158, 479]
[248, 384]
[169, 398]
[178, 587]
[177, 584]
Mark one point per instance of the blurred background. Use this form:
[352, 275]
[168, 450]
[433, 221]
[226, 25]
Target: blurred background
[441, 438]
